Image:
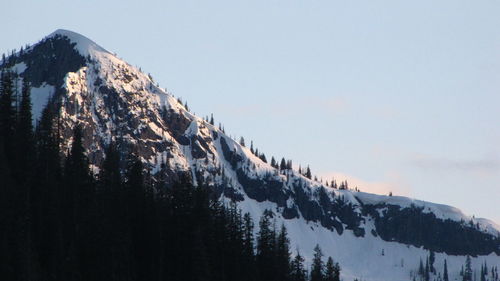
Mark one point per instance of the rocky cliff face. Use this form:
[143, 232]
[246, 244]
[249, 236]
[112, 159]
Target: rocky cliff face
[114, 101]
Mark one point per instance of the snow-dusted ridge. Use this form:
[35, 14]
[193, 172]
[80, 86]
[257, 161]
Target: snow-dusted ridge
[84, 45]
[114, 101]
[441, 211]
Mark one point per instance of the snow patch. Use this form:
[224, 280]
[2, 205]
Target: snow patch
[39, 99]
[19, 68]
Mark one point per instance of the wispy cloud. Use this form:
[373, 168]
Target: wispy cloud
[481, 165]
[393, 182]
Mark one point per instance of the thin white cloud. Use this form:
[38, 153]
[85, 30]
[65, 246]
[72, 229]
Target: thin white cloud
[481, 165]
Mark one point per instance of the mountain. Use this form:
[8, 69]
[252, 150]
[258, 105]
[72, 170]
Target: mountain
[373, 237]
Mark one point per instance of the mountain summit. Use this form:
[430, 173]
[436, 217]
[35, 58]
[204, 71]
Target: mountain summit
[373, 237]
[84, 45]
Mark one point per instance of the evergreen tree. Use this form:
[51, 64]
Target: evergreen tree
[263, 158]
[298, 272]
[317, 267]
[7, 114]
[282, 254]
[467, 276]
[139, 213]
[308, 173]
[483, 273]
[109, 176]
[46, 198]
[248, 235]
[421, 270]
[266, 247]
[15, 243]
[445, 271]
[330, 270]
[248, 253]
[336, 270]
[432, 258]
[427, 276]
[273, 162]
[24, 137]
[76, 198]
[282, 164]
[18, 150]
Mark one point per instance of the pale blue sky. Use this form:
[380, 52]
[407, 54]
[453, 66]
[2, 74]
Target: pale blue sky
[394, 95]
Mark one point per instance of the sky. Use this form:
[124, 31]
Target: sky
[400, 96]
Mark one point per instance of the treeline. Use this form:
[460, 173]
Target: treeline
[59, 221]
[429, 272]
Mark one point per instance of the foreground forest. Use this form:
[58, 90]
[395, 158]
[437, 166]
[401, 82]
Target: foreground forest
[59, 221]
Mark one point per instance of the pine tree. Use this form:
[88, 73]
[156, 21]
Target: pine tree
[7, 114]
[46, 197]
[266, 247]
[445, 271]
[7, 247]
[282, 164]
[138, 215]
[467, 276]
[308, 173]
[421, 270]
[432, 258]
[336, 270]
[78, 194]
[109, 176]
[330, 270]
[24, 136]
[427, 276]
[248, 246]
[483, 273]
[298, 272]
[263, 158]
[317, 267]
[282, 254]
[113, 200]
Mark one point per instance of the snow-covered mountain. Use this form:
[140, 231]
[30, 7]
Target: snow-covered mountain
[373, 237]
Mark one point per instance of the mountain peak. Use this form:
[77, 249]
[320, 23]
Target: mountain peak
[84, 45]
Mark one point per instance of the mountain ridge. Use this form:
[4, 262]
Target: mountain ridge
[114, 101]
